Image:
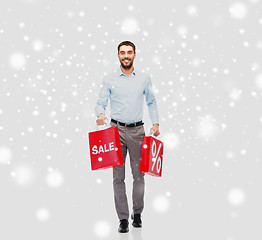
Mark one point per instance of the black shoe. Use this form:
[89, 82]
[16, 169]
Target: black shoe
[123, 227]
[137, 223]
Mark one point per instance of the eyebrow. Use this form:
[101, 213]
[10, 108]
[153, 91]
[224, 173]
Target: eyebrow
[130, 51]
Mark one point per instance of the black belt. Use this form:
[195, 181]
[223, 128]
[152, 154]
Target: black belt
[128, 124]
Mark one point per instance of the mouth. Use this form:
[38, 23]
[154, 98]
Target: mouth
[126, 61]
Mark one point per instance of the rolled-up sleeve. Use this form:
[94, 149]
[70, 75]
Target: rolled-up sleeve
[103, 98]
[151, 102]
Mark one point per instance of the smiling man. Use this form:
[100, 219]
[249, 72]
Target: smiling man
[126, 88]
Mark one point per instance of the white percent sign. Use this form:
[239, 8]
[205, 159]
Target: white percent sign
[156, 158]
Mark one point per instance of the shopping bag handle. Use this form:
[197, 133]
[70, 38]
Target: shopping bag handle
[151, 134]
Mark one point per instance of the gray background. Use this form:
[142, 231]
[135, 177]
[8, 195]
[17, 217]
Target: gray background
[204, 58]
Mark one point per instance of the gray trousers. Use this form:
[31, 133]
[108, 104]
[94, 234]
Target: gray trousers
[131, 139]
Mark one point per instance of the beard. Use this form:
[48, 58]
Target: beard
[127, 66]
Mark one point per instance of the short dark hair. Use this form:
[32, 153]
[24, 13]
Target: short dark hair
[127, 43]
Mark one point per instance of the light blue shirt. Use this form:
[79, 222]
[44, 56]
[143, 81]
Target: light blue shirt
[126, 96]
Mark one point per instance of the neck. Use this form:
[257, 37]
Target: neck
[127, 71]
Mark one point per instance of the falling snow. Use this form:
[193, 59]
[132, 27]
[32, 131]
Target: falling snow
[204, 59]
[161, 204]
[42, 214]
[5, 155]
[102, 229]
[236, 197]
[54, 178]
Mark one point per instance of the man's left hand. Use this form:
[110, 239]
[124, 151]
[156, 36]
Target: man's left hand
[155, 130]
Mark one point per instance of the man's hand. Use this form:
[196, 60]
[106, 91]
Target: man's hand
[101, 119]
[155, 130]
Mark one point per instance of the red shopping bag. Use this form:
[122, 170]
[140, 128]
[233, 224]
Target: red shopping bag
[152, 156]
[105, 148]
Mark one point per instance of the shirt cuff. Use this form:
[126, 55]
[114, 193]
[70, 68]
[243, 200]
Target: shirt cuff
[99, 110]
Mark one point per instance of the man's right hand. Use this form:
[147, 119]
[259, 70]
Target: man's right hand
[101, 119]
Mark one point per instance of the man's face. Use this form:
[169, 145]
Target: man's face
[126, 56]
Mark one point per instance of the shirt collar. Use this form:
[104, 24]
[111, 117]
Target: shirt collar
[120, 73]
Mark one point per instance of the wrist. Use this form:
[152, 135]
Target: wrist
[100, 114]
